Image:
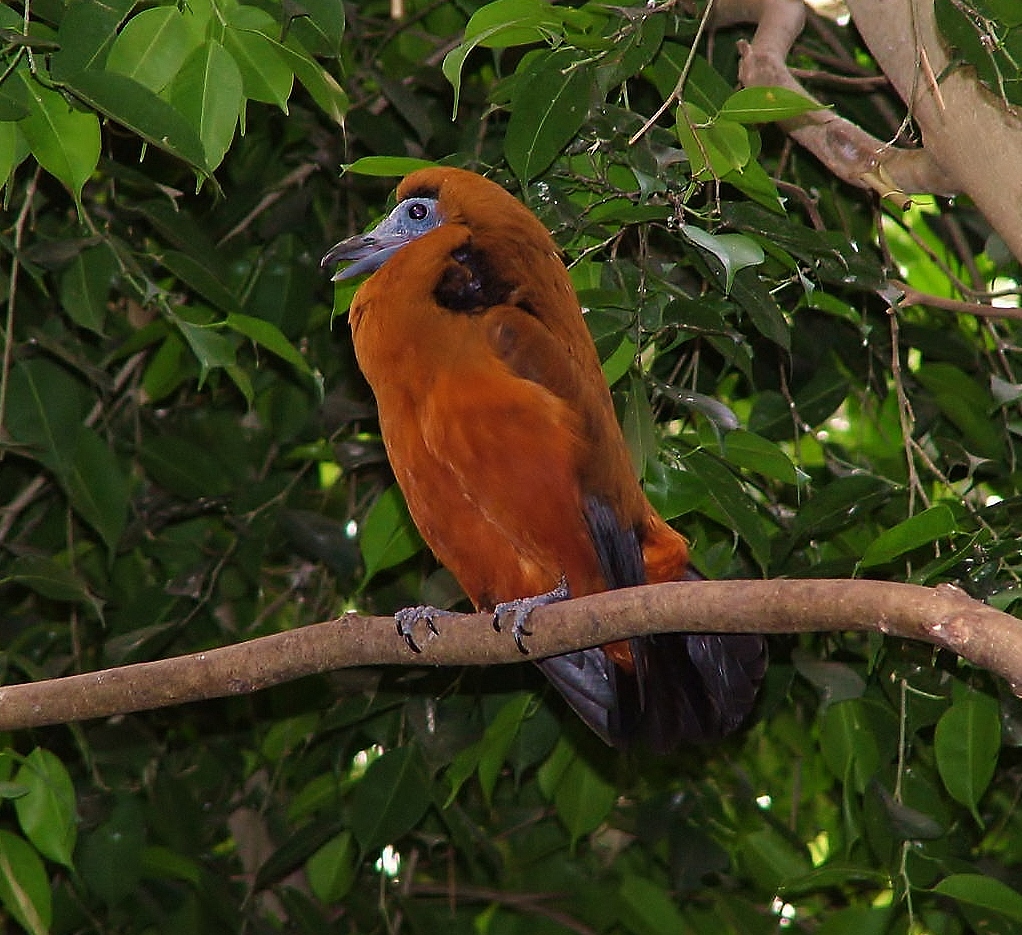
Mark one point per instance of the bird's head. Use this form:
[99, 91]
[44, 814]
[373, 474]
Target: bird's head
[433, 197]
[367, 252]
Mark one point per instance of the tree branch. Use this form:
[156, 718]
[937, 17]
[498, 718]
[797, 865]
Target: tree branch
[944, 616]
[965, 128]
[851, 153]
[952, 111]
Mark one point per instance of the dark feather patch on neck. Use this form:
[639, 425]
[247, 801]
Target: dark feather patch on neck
[470, 283]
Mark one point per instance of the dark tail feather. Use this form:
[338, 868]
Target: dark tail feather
[590, 683]
[696, 686]
[685, 687]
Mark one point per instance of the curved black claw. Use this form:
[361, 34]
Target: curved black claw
[522, 607]
[408, 618]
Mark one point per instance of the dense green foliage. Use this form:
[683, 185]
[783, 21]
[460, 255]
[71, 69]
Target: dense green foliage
[190, 459]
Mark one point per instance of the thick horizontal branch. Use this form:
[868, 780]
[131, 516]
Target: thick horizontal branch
[944, 616]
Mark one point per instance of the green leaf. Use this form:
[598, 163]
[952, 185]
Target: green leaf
[761, 307]
[85, 287]
[722, 418]
[922, 529]
[109, 856]
[333, 868]
[13, 150]
[85, 35]
[499, 25]
[620, 362]
[50, 579]
[582, 797]
[45, 408]
[772, 859]
[152, 47]
[168, 368]
[843, 501]
[857, 737]
[183, 467]
[390, 799]
[136, 107]
[265, 73]
[982, 891]
[550, 104]
[734, 251]
[321, 85]
[388, 536]
[385, 166]
[268, 335]
[162, 863]
[639, 427]
[200, 276]
[24, 885]
[755, 453]
[47, 813]
[967, 404]
[65, 141]
[97, 486]
[735, 506]
[715, 148]
[673, 492]
[211, 349]
[45, 411]
[208, 92]
[765, 105]
[649, 908]
[966, 743]
[488, 754]
[320, 23]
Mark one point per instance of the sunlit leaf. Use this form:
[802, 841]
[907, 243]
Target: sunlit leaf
[152, 47]
[333, 868]
[916, 531]
[66, 141]
[209, 92]
[387, 165]
[47, 813]
[24, 886]
[265, 73]
[388, 536]
[765, 104]
[498, 25]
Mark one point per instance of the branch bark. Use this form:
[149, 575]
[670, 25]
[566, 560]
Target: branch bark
[967, 130]
[952, 114]
[944, 616]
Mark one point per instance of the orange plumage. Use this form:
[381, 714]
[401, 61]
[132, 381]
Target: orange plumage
[502, 435]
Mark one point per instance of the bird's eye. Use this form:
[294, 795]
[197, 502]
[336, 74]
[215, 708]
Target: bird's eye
[417, 211]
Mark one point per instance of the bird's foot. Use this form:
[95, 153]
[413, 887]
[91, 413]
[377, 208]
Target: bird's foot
[409, 618]
[521, 608]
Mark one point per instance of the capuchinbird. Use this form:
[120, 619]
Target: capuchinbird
[500, 428]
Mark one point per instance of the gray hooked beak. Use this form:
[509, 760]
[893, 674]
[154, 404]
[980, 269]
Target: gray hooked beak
[367, 252]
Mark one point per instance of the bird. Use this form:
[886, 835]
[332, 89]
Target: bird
[501, 432]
